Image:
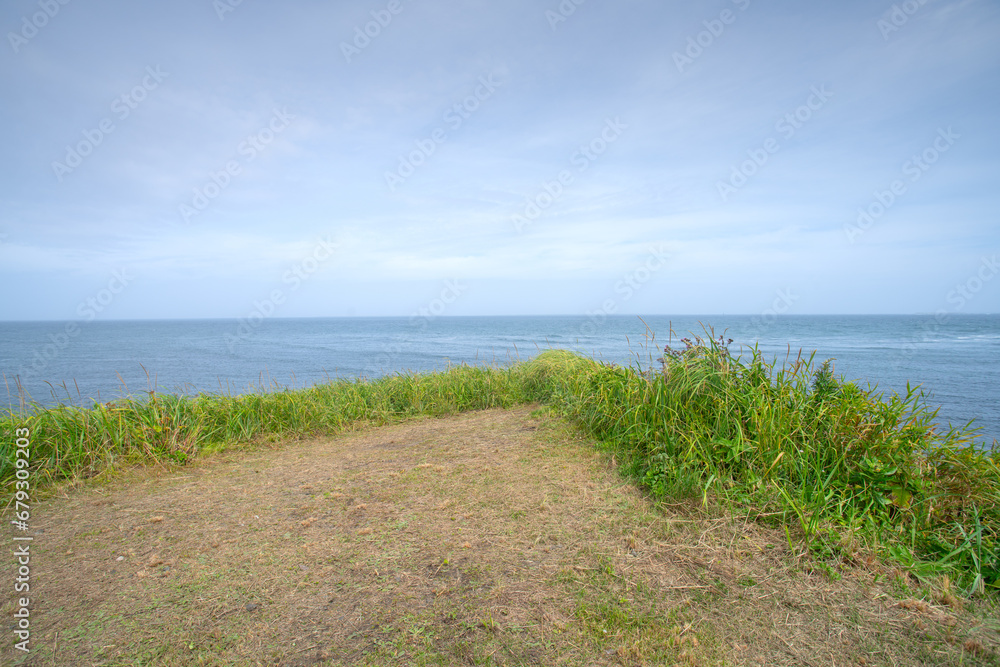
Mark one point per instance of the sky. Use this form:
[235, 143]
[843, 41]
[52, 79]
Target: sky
[217, 159]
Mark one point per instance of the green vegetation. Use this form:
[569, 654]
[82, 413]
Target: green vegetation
[852, 472]
[857, 473]
[69, 441]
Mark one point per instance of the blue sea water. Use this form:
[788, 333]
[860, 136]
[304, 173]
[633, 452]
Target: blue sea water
[957, 361]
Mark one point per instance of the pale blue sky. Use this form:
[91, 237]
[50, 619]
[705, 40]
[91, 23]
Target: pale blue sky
[299, 120]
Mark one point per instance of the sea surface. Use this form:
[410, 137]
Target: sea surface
[955, 360]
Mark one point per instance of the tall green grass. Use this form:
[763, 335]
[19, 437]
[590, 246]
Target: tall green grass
[68, 441]
[851, 469]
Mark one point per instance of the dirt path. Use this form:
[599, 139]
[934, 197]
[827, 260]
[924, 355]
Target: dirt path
[496, 537]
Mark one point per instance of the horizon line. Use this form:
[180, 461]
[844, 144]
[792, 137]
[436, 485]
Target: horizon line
[456, 317]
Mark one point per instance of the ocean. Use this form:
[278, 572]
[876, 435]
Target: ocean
[956, 360]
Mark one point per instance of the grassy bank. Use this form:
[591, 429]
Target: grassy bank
[856, 473]
[849, 472]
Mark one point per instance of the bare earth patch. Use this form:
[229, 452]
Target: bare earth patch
[498, 537]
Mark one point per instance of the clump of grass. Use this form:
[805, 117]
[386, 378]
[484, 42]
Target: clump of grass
[845, 465]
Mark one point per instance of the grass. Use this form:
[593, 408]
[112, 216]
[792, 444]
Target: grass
[68, 441]
[850, 474]
[387, 546]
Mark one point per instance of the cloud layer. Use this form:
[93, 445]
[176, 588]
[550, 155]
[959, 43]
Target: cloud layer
[539, 153]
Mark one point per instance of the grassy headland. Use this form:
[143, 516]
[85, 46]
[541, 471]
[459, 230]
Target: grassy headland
[851, 473]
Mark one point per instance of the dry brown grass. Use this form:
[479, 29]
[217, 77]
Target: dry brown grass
[496, 537]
